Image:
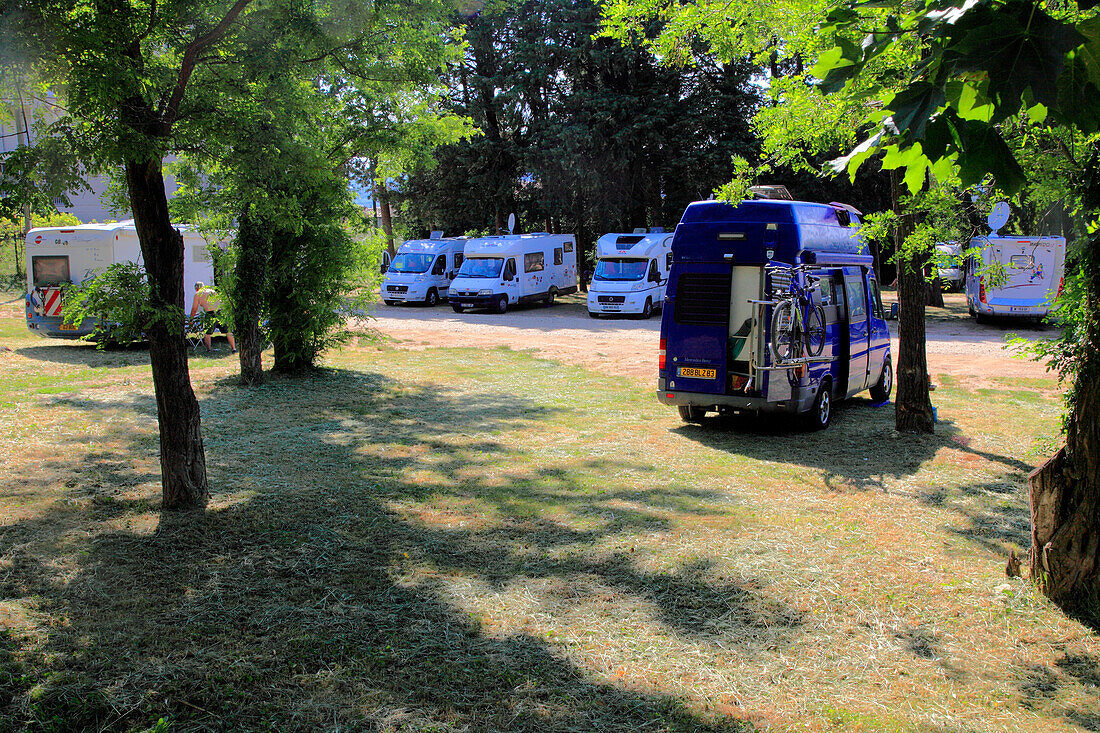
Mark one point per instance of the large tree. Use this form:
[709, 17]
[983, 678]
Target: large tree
[987, 71]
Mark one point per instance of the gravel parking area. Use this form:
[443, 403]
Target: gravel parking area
[957, 345]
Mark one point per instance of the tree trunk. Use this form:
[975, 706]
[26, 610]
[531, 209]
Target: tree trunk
[1065, 492]
[182, 458]
[383, 195]
[249, 284]
[913, 408]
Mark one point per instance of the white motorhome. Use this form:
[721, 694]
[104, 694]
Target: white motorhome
[60, 255]
[515, 268]
[1033, 268]
[422, 270]
[631, 273]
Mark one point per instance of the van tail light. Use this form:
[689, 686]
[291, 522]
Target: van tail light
[981, 289]
[661, 356]
[1061, 287]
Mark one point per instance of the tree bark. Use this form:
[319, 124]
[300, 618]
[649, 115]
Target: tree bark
[913, 407]
[383, 195]
[182, 457]
[249, 284]
[1065, 492]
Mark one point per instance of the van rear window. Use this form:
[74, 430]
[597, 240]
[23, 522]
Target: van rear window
[702, 299]
[1022, 262]
[50, 270]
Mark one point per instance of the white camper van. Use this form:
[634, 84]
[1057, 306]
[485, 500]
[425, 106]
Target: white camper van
[515, 268]
[60, 255]
[422, 270]
[1033, 267]
[631, 272]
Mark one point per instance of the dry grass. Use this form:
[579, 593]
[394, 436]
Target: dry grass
[479, 540]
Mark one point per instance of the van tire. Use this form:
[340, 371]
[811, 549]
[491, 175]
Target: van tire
[550, 297]
[821, 413]
[502, 304]
[593, 315]
[880, 391]
[691, 413]
[647, 309]
[432, 298]
[456, 307]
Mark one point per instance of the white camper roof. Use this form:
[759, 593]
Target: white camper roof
[442, 244]
[506, 245]
[1045, 241]
[640, 246]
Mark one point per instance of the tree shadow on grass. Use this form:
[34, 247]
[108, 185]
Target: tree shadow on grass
[861, 451]
[307, 599]
[83, 353]
[1041, 684]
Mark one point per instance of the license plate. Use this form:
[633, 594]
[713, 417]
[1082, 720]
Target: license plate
[612, 307]
[697, 373]
[1018, 309]
[467, 305]
[68, 326]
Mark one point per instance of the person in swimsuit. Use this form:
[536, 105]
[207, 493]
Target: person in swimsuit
[208, 300]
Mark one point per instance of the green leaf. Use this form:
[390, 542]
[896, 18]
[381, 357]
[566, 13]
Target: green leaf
[914, 105]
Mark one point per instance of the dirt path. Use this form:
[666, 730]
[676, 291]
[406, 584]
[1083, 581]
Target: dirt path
[957, 345]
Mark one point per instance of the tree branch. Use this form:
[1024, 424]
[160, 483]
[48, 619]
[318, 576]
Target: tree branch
[191, 55]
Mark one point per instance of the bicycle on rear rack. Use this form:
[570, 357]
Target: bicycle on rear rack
[797, 324]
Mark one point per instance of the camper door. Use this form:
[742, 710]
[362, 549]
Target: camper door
[859, 329]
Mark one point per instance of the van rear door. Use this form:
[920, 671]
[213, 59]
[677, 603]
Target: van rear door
[696, 328]
[1030, 268]
[859, 330]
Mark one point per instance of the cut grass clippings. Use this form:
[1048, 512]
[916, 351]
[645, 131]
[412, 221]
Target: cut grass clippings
[458, 539]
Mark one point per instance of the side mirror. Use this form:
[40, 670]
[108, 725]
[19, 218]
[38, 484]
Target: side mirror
[383, 268]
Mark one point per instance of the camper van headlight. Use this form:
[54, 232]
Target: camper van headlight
[486, 291]
[420, 278]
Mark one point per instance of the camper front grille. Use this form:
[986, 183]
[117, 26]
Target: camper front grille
[397, 288]
[610, 298]
[703, 299]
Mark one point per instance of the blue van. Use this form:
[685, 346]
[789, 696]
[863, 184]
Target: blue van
[726, 330]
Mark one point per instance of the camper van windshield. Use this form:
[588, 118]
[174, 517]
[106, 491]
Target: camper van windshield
[412, 262]
[481, 267]
[620, 269]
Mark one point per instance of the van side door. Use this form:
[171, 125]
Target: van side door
[859, 329]
[510, 280]
[439, 275]
[880, 332]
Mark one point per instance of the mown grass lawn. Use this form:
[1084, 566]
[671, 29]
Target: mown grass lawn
[480, 540]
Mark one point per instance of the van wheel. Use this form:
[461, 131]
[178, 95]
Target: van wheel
[550, 297]
[593, 315]
[456, 307]
[822, 411]
[432, 299]
[502, 304]
[647, 310]
[880, 392]
[691, 413]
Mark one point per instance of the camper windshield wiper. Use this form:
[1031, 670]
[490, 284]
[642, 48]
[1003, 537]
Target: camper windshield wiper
[614, 269]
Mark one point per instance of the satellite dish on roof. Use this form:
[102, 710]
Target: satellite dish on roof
[511, 222]
[999, 216]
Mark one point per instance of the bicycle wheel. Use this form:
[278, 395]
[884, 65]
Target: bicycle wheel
[784, 333]
[815, 330]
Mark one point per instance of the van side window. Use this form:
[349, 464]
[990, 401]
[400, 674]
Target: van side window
[440, 265]
[533, 262]
[569, 246]
[825, 294]
[459, 257]
[876, 300]
[857, 306]
[654, 274]
[559, 255]
[510, 269]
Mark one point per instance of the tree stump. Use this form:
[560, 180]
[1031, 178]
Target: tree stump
[1065, 538]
